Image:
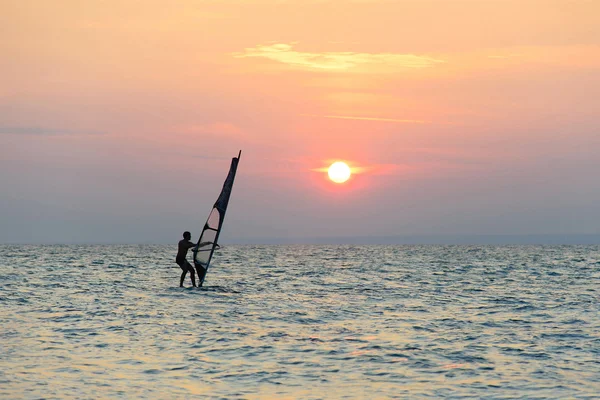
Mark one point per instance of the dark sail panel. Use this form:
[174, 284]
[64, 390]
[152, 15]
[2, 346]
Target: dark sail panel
[209, 237]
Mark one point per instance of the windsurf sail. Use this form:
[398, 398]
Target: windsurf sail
[208, 242]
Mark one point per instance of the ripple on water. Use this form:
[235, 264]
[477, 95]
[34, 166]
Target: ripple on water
[301, 322]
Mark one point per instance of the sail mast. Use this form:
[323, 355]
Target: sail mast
[208, 241]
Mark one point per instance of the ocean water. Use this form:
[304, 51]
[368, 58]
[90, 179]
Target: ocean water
[306, 322]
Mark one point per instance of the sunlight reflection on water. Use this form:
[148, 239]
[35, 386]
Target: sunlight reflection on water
[302, 322]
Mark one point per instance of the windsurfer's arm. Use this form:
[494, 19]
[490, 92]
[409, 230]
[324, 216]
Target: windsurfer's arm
[207, 243]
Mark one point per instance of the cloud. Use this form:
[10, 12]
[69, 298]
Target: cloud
[373, 169]
[42, 131]
[217, 129]
[380, 169]
[378, 119]
[407, 121]
[205, 157]
[285, 53]
[505, 56]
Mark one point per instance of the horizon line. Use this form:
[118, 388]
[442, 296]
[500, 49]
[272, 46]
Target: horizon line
[450, 239]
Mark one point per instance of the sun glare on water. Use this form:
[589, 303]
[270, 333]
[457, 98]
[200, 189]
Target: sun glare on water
[339, 172]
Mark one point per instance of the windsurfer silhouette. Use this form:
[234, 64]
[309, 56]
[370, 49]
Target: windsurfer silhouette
[184, 245]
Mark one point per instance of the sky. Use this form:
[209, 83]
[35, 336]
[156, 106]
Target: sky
[119, 118]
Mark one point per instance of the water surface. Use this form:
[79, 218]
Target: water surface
[310, 322]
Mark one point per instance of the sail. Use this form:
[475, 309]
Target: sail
[203, 251]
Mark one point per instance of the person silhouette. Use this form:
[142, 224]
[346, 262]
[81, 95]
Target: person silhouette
[184, 245]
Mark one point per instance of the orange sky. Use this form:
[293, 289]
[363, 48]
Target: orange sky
[489, 105]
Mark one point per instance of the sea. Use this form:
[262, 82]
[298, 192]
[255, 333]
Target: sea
[301, 322]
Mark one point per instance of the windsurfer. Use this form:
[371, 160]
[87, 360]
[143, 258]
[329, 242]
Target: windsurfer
[184, 245]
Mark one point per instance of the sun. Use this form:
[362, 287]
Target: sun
[339, 172]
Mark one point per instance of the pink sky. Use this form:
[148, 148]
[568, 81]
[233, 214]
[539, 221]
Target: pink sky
[118, 118]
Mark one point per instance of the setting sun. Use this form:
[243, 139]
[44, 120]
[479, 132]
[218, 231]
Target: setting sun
[339, 172]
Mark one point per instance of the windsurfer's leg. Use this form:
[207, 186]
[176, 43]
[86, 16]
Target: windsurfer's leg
[182, 278]
[183, 273]
[192, 273]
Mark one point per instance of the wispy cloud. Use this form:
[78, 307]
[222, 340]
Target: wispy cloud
[43, 131]
[217, 129]
[378, 119]
[407, 121]
[373, 169]
[381, 169]
[286, 54]
[505, 56]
